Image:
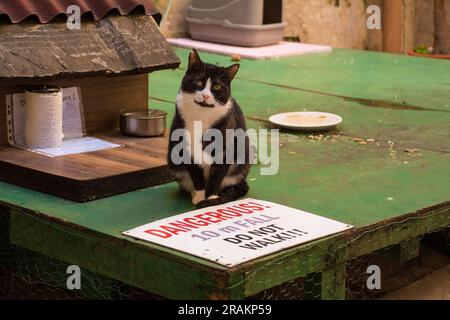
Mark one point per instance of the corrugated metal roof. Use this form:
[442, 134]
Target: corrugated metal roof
[46, 10]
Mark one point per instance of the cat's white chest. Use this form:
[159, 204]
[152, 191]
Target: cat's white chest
[197, 120]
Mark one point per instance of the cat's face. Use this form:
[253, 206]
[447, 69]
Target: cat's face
[208, 85]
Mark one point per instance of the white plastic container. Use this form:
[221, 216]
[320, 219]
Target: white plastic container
[247, 23]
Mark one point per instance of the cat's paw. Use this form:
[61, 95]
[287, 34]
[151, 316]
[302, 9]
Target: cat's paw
[214, 201]
[197, 196]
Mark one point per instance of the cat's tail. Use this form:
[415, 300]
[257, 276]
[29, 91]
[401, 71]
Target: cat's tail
[228, 194]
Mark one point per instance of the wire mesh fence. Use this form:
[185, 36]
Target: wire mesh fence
[26, 275]
[29, 275]
[395, 273]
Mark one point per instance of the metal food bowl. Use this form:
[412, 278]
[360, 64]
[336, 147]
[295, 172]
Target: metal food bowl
[139, 123]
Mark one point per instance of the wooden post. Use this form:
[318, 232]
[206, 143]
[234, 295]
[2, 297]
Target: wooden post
[409, 249]
[236, 288]
[392, 22]
[441, 33]
[333, 283]
[326, 285]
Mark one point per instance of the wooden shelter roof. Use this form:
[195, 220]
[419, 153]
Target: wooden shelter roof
[114, 45]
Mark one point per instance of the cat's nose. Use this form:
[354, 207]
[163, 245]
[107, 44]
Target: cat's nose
[206, 97]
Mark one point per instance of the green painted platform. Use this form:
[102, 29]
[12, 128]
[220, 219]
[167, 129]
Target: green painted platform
[391, 196]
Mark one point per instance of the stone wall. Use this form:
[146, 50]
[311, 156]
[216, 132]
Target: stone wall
[424, 24]
[174, 24]
[339, 23]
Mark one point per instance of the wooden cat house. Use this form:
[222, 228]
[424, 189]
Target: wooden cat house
[107, 60]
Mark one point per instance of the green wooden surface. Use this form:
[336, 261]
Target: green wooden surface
[409, 249]
[135, 266]
[401, 102]
[333, 283]
[327, 253]
[356, 184]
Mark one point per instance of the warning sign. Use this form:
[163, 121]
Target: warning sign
[238, 231]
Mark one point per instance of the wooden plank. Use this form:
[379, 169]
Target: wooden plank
[152, 271]
[334, 178]
[384, 234]
[141, 162]
[115, 45]
[354, 174]
[415, 116]
[326, 253]
[392, 26]
[136, 154]
[333, 283]
[290, 264]
[409, 249]
[104, 97]
[235, 288]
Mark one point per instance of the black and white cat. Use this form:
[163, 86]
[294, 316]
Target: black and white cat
[205, 97]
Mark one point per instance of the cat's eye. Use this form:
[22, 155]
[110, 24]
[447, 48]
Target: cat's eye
[199, 83]
[217, 87]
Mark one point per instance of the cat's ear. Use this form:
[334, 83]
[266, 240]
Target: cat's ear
[194, 58]
[232, 70]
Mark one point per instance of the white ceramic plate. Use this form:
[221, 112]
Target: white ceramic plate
[306, 120]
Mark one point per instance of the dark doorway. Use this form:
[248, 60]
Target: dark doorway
[273, 11]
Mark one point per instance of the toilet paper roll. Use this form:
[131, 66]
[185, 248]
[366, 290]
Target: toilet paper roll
[43, 117]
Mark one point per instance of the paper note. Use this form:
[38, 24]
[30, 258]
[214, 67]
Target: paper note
[77, 145]
[74, 141]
